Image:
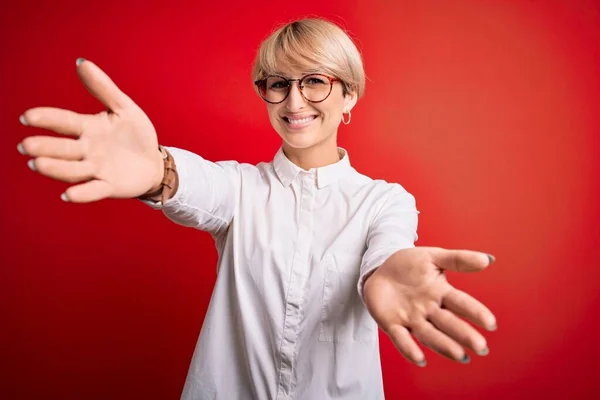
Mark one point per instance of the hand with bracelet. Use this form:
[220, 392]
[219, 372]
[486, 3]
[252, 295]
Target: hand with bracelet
[115, 153]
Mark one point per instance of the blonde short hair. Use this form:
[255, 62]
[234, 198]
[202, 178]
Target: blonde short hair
[312, 43]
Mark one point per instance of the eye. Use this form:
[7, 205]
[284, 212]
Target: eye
[277, 83]
[314, 80]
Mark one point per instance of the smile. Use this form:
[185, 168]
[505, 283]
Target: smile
[294, 122]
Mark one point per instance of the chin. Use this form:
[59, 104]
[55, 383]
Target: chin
[299, 141]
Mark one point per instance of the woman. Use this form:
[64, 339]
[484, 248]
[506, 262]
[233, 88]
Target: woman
[313, 256]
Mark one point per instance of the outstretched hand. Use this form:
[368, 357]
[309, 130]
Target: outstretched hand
[409, 295]
[112, 154]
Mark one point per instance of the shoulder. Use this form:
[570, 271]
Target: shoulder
[387, 198]
[249, 174]
[378, 187]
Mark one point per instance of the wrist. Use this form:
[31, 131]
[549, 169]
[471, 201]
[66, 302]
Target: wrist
[366, 279]
[169, 180]
[160, 174]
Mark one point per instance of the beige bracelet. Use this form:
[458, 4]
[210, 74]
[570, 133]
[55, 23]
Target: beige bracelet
[169, 183]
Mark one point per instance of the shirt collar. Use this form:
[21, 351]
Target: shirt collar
[287, 171]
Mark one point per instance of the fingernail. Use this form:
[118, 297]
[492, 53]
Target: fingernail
[79, 61]
[31, 164]
[465, 359]
[64, 197]
[492, 258]
[23, 120]
[484, 352]
[493, 327]
[21, 149]
[422, 363]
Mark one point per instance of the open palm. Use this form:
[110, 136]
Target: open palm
[409, 295]
[110, 154]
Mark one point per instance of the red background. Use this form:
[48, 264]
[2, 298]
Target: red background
[487, 111]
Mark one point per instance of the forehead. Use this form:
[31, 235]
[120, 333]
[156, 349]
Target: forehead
[294, 73]
[292, 64]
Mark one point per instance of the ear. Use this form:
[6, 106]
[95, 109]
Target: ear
[350, 101]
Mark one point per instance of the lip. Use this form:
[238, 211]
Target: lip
[300, 125]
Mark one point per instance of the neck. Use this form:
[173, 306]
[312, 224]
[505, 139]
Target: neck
[319, 155]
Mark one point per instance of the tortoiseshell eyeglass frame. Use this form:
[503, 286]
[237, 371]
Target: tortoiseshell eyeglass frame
[261, 86]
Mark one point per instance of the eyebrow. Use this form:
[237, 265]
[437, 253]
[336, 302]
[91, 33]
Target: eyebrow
[302, 73]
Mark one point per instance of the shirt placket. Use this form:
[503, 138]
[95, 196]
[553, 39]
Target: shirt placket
[296, 292]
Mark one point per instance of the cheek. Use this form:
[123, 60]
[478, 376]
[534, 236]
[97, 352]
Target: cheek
[273, 113]
[334, 108]
[333, 115]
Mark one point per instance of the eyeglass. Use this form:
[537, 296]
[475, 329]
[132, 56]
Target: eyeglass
[314, 88]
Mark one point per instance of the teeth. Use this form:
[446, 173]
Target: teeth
[300, 120]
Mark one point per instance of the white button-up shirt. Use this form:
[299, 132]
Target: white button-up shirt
[286, 319]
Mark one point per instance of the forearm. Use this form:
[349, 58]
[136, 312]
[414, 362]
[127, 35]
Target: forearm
[203, 195]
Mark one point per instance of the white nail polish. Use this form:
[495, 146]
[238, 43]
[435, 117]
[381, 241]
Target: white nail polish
[31, 165]
[21, 149]
[22, 120]
[64, 197]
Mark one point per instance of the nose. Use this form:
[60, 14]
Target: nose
[295, 101]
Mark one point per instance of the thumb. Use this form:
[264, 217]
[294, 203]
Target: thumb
[101, 86]
[461, 260]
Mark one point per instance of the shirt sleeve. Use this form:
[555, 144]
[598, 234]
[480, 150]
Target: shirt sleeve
[207, 195]
[393, 229]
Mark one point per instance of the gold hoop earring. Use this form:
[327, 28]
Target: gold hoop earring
[346, 122]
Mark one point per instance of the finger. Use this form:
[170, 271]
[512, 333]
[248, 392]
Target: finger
[87, 192]
[440, 342]
[53, 147]
[405, 344]
[459, 330]
[461, 260]
[55, 119]
[101, 86]
[470, 308]
[66, 171]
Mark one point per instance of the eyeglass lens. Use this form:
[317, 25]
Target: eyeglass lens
[313, 87]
